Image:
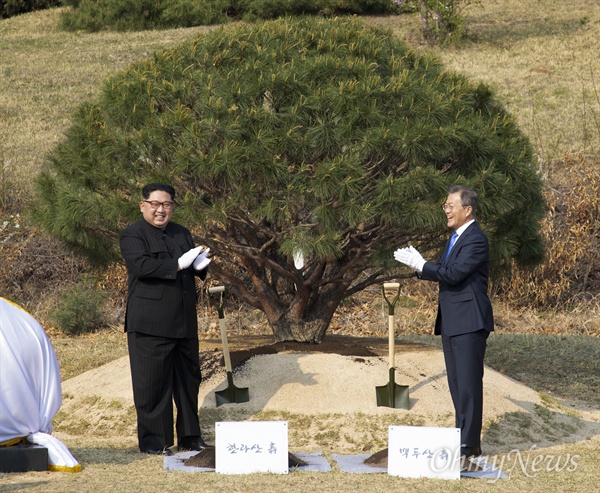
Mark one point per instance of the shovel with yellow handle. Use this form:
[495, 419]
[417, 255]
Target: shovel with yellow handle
[392, 394]
[231, 394]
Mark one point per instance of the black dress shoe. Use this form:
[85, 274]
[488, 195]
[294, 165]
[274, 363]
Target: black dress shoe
[192, 443]
[470, 451]
[467, 465]
[162, 451]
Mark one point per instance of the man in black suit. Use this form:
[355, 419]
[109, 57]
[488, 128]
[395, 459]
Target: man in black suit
[464, 318]
[161, 323]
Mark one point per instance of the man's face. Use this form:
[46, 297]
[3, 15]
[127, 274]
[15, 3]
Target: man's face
[456, 214]
[160, 216]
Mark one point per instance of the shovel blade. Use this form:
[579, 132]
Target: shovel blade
[397, 398]
[232, 394]
[392, 394]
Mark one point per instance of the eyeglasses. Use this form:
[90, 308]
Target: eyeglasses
[449, 207]
[155, 204]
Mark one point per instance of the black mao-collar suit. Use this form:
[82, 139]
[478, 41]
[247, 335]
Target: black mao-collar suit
[162, 332]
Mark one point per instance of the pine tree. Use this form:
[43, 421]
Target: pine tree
[316, 138]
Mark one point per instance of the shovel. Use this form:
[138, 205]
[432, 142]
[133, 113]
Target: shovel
[392, 394]
[231, 394]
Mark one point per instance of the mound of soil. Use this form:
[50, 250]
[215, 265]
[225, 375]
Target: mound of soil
[378, 459]
[206, 458]
[244, 348]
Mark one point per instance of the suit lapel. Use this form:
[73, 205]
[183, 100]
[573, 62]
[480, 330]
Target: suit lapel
[459, 241]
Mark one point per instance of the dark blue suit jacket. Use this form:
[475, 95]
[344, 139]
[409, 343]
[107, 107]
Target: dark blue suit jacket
[463, 303]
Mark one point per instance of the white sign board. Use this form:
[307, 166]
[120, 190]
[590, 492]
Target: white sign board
[253, 446]
[418, 451]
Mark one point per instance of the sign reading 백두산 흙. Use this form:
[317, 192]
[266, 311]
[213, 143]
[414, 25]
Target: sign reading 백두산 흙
[418, 451]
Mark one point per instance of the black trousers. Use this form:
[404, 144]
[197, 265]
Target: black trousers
[464, 355]
[164, 370]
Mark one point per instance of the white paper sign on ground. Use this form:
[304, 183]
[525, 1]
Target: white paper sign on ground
[419, 451]
[254, 446]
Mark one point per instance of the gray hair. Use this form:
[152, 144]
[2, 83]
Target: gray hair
[468, 196]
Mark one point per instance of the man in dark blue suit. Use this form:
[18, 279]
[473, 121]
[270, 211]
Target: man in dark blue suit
[161, 323]
[464, 317]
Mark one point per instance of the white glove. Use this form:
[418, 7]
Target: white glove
[202, 260]
[418, 259]
[402, 254]
[411, 257]
[188, 257]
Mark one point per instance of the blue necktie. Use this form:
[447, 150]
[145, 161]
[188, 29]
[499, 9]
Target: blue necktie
[452, 240]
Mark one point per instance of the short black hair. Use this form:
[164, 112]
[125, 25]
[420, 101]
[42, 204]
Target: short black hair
[153, 187]
[468, 196]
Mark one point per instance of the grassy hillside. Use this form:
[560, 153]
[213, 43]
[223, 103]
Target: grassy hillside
[541, 58]
[46, 74]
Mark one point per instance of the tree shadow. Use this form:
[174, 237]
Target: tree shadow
[490, 30]
[107, 455]
[536, 426]
[259, 380]
[289, 354]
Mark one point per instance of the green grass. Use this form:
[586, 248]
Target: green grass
[566, 367]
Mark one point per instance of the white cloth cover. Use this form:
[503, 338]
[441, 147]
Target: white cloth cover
[30, 386]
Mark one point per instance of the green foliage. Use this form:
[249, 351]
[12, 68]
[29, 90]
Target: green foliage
[137, 15]
[125, 15]
[271, 9]
[442, 21]
[321, 136]
[9, 8]
[351, 125]
[80, 309]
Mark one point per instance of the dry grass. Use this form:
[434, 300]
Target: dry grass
[46, 74]
[77, 355]
[113, 467]
[542, 60]
[570, 273]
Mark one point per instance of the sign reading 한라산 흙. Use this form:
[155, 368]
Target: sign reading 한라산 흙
[248, 447]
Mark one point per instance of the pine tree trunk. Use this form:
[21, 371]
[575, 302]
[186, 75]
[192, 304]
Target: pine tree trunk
[301, 321]
[424, 11]
[300, 331]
